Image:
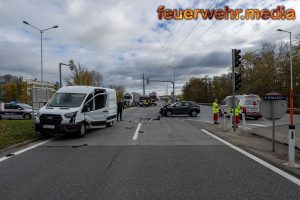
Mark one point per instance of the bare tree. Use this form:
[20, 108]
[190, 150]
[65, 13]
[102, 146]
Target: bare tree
[97, 78]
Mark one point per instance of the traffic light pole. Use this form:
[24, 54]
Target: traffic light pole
[173, 82]
[233, 90]
[143, 84]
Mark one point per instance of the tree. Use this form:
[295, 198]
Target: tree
[97, 78]
[119, 90]
[82, 76]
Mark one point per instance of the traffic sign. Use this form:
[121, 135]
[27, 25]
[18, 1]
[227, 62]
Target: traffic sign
[273, 107]
[274, 97]
[277, 112]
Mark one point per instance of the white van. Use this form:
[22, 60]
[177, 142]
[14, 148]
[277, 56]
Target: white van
[249, 105]
[76, 109]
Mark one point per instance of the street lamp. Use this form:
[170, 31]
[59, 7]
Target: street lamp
[71, 66]
[41, 31]
[291, 126]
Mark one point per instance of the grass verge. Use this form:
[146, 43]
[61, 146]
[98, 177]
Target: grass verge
[16, 131]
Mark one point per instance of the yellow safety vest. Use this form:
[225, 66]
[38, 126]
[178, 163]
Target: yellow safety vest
[215, 107]
[237, 111]
[239, 107]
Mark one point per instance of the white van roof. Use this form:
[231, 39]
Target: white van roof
[81, 89]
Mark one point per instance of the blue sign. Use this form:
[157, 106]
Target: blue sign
[274, 98]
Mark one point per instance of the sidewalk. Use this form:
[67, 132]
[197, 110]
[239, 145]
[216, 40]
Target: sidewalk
[281, 134]
[256, 145]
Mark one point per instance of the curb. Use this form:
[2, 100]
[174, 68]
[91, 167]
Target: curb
[276, 141]
[14, 146]
[278, 165]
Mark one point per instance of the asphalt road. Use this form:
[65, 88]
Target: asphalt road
[170, 159]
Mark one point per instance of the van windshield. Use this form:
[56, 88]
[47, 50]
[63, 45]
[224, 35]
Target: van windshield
[127, 97]
[70, 100]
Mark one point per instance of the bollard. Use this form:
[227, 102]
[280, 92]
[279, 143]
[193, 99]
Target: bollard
[244, 120]
[223, 123]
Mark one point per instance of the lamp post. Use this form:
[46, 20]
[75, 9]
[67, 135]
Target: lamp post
[291, 126]
[174, 70]
[41, 31]
[71, 66]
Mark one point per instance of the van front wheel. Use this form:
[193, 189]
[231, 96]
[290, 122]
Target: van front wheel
[82, 131]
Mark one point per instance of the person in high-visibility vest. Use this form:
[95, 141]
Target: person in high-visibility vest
[216, 111]
[237, 115]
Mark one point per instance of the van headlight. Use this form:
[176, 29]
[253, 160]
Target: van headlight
[69, 115]
[36, 113]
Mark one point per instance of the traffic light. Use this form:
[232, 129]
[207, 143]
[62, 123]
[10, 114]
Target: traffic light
[56, 86]
[148, 80]
[237, 57]
[238, 81]
[236, 68]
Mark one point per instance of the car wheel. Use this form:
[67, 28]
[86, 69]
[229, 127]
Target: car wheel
[27, 116]
[110, 124]
[82, 131]
[194, 113]
[169, 113]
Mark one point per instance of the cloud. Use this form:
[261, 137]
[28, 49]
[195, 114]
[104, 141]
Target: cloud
[125, 39]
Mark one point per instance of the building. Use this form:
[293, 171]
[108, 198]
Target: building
[8, 79]
[38, 84]
[14, 88]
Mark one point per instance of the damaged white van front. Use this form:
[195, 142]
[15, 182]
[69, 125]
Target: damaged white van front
[76, 109]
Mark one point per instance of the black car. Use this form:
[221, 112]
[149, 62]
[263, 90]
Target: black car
[181, 108]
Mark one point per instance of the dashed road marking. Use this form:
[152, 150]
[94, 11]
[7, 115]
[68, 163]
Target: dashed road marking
[135, 136]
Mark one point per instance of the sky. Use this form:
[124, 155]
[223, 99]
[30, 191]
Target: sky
[124, 39]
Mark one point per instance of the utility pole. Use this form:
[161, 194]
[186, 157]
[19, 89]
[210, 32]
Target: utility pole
[236, 82]
[143, 84]
[174, 86]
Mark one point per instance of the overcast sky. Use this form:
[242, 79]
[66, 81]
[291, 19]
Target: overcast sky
[122, 39]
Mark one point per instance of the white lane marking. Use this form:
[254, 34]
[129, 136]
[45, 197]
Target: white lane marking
[24, 150]
[258, 160]
[137, 131]
[258, 125]
[206, 121]
[129, 108]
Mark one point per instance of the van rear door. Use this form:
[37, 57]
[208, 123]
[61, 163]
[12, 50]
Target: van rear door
[252, 103]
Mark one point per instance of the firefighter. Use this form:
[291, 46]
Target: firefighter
[237, 115]
[240, 113]
[216, 111]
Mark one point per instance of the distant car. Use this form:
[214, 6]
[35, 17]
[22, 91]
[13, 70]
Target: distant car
[181, 108]
[16, 111]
